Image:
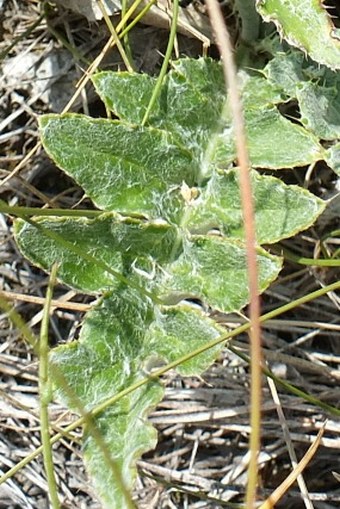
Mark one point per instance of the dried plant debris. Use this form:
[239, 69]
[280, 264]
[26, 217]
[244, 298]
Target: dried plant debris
[192, 22]
[90, 8]
[43, 75]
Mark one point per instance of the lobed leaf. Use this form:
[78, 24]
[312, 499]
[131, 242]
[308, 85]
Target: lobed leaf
[190, 104]
[306, 25]
[316, 89]
[180, 329]
[280, 210]
[286, 70]
[104, 361]
[320, 108]
[258, 93]
[111, 240]
[121, 166]
[333, 157]
[192, 101]
[120, 335]
[214, 270]
[273, 142]
[126, 435]
[126, 94]
[87, 236]
[111, 343]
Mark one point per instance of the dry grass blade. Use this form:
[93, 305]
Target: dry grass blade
[224, 44]
[61, 304]
[287, 483]
[288, 440]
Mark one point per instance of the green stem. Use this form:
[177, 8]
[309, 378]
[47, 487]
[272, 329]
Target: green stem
[137, 18]
[334, 233]
[316, 262]
[36, 211]
[125, 37]
[44, 391]
[164, 68]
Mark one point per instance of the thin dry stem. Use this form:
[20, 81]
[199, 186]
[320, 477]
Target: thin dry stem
[223, 42]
